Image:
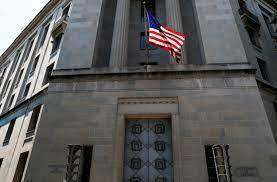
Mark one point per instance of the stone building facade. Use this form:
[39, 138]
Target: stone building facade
[78, 102]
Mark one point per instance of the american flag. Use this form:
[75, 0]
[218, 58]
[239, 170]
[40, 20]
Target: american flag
[165, 37]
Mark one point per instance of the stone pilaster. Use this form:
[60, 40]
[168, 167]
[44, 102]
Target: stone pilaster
[174, 20]
[119, 49]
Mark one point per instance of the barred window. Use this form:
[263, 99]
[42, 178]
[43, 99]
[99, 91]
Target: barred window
[218, 163]
[78, 163]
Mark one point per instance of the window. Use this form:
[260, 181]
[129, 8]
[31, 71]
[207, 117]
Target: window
[44, 34]
[143, 42]
[254, 37]
[66, 11]
[26, 91]
[34, 66]
[275, 106]
[47, 75]
[11, 100]
[30, 45]
[20, 167]
[4, 71]
[150, 5]
[17, 57]
[33, 121]
[56, 42]
[79, 163]
[148, 149]
[263, 69]
[270, 20]
[19, 77]
[1, 161]
[6, 88]
[9, 132]
[218, 163]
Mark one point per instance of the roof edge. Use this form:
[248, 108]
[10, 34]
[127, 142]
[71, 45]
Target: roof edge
[28, 28]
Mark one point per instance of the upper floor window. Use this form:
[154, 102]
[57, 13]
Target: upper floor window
[11, 100]
[6, 86]
[270, 20]
[33, 121]
[21, 165]
[9, 132]
[47, 75]
[254, 37]
[34, 65]
[44, 34]
[1, 161]
[218, 163]
[66, 10]
[19, 77]
[150, 5]
[263, 69]
[16, 59]
[26, 91]
[30, 45]
[56, 42]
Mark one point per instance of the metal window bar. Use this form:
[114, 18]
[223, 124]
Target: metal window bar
[224, 163]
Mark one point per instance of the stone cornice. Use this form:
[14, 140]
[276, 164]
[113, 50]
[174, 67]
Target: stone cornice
[31, 26]
[151, 72]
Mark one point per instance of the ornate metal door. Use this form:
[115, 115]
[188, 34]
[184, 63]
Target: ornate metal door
[148, 151]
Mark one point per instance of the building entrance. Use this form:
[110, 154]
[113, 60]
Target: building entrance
[148, 151]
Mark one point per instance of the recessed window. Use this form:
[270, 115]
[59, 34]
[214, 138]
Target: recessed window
[47, 75]
[44, 34]
[19, 77]
[30, 45]
[263, 69]
[16, 59]
[1, 161]
[79, 163]
[4, 71]
[150, 5]
[6, 88]
[275, 106]
[11, 100]
[270, 20]
[66, 11]
[218, 163]
[21, 165]
[9, 132]
[254, 37]
[56, 43]
[34, 66]
[26, 91]
[33, 121]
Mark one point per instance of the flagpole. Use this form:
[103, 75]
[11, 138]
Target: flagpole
[146, 33]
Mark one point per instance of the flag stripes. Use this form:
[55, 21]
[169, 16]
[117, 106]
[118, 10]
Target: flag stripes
[165, 37]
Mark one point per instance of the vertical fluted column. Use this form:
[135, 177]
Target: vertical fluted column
[119, 47]
[174, 20]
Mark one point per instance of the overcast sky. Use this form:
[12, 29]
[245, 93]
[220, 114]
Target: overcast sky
[15, 15]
